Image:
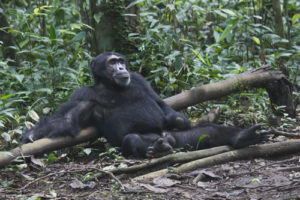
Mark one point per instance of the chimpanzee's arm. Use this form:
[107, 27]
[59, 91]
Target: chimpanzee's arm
[96, 93]
[83, 94]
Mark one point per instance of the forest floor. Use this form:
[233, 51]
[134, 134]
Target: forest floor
[79, 177]
[249, 179]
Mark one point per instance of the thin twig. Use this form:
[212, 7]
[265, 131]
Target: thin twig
[75, 171]
[42, 177]
[110, 174]
[277, 133]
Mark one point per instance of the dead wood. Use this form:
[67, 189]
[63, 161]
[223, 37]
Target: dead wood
[180, 157]
[282, 133]
[257, 78]
[281, 94]
[47, 145]
[265, 150]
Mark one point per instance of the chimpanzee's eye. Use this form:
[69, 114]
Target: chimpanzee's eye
[121, 61]
[113, 61]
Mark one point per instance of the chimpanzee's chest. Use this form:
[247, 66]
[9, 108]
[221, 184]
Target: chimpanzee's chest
[140, 115]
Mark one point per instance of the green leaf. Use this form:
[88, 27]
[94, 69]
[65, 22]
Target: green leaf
[283, 54]
[19, 77]
[227, 30]
[79, 36]
[216, 35]
[6, 96]
[52, 158]
[218, 12]
[207, 59]
[64, 31]
[45, 7]
[47, 90]
[33, 115]
[36, 11]
[23, 43]
[6, 137]
[52, 32]
[87, 151]
[254, 180]
[199, 56]
[178, 63]
[50, 60]
[200, 139]
[256, 40]
[229, 12]
[295, 18]
[97, 17]
[134, 3]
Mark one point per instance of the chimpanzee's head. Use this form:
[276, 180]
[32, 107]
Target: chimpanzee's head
[111, 68]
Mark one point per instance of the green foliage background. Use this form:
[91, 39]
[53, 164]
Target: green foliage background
[180, 45]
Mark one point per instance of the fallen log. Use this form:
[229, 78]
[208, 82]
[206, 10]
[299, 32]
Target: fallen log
[258, 78]
[180, 157]
[264, 150]
[47, 145]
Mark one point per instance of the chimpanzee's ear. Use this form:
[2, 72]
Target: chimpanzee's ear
[93, 68]
[92, 65]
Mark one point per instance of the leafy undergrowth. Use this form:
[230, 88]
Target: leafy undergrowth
[76, 173]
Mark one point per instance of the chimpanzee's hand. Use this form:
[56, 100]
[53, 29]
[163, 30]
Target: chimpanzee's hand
[177, 121]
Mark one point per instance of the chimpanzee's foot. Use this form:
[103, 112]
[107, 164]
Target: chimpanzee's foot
[248, 137]
[159, 148]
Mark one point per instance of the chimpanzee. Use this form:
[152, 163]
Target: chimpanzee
[202, 137]
[120, 102]
[130, 104]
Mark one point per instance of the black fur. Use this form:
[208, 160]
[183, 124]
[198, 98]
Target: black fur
[120, 102]
[135, 108]
[205, 136]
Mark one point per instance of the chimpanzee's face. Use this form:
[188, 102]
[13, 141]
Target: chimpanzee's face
[111, 69]
[116, 68]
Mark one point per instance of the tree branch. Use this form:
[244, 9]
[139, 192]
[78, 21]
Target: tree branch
[180, 157]
[260, 77]
[265, 150]
[47, 145]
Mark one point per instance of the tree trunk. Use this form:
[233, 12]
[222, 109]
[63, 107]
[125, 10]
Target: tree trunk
[6, 37]
[278, 18]
[110, 26]
[133, 18]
